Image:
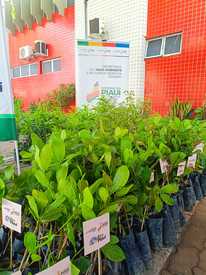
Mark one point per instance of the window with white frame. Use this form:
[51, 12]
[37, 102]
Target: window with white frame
[50, 66]
[163, 46]
[25, 70]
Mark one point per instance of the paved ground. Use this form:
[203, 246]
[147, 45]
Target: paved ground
[190, 256]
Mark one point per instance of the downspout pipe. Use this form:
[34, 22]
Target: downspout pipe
[86, 18]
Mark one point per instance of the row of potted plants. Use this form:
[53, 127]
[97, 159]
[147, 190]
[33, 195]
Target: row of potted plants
[94, 167]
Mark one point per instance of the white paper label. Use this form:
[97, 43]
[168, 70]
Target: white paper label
[11, 215]
[96, 233]
[164, 166]
[17, 273]
[192, 161]
[152, 177]
[181, 168]
[61, 268]
[199, 147]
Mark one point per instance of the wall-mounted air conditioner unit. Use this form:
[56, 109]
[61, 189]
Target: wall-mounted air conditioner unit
[41, 48]
[97, 29]
[25, 52]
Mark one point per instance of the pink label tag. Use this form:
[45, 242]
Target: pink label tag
[96, 233]
[61, 268]
[192, 161]
[164, 166]
[181, 168]
[199, 147]
[11, 215]
[17, 273]
[152, 178]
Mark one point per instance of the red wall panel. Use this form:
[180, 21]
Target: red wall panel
[59, 35]
[180, 76]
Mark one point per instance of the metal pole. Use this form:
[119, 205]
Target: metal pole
[86, 18]
[7, 72]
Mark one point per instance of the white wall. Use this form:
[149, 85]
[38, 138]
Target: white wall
[125, 20]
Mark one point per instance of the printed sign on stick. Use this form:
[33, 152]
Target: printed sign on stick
[11, 215]
[181, 168]
[61, 268]
[199, 147]
[164, 166]
[192, 161]
[96, 233]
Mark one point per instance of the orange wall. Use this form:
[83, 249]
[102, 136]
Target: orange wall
[59, 35]
[183, 75]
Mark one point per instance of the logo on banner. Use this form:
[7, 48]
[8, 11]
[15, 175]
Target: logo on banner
[96, 233]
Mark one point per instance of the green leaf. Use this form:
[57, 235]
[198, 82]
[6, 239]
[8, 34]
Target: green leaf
[85, 135]
[104, 194]
[54, 211]
[120, 179]
[114, 239]
[170, 188]
[167, 199]
[74, 270]
[128, 155]
[46, 156]
[2, 188]
[94, 187]
[35, 258]
[130, 199]
[70, 234]
[41, 198]
[62, 173]
[58, 147]
[108, 158]
[87, 213]
[33, 207]
[112, 208]
[158, 205]
[30, 242]
[51, 214]
[63, 134]
[88, 198]
[42, 178]
[27, 156]
[124, 191]
[113, 252]
[9, 172]
[36, 140]
[83, 263]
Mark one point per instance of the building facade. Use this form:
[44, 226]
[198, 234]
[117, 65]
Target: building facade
[35, 77]
[167, 46]
[181, 74]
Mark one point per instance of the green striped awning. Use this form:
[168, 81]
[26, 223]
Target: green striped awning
[24, 12]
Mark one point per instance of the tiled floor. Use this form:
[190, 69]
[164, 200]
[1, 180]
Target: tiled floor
[190, 255]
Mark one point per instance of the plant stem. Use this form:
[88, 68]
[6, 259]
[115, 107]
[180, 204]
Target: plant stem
[11, 250]
[77, 253]
[99, 263]
[63, 245]
[143, 220]
[26, 251]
